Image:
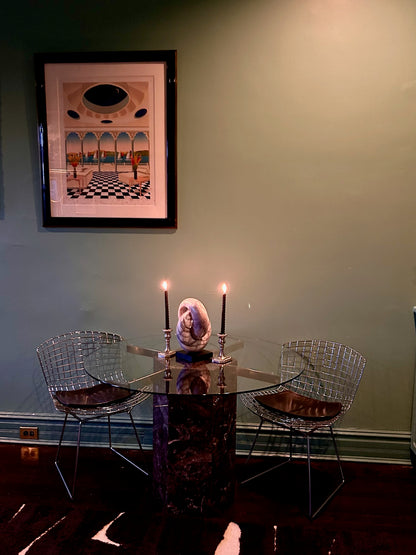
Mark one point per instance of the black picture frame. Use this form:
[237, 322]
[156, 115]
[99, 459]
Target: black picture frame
[101, 116]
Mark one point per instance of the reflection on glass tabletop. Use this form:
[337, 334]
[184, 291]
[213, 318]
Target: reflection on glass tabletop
[254, 365]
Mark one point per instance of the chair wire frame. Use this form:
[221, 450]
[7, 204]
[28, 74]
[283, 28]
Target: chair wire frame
[84, 374]
[330, 372]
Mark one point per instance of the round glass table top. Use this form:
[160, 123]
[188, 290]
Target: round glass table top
[254, 365]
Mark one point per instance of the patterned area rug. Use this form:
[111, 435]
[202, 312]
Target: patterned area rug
[115, 512]
[42, 529]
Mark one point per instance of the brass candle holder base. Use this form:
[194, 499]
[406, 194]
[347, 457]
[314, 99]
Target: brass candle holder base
[167, 353]
[221, 358]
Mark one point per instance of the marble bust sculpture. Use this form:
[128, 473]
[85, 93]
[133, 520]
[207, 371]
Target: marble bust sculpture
[193, 329]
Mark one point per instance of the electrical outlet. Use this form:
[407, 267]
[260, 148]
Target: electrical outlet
[29, 432]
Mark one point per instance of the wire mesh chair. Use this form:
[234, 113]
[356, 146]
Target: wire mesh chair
[315, 399]
[84, 374]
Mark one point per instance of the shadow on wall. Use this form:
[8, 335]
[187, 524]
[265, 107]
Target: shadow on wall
[39, 400]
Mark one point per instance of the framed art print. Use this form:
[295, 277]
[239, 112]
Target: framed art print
[107, 138]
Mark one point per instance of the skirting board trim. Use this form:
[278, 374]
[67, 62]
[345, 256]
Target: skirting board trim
[359, 445]
[382, 446]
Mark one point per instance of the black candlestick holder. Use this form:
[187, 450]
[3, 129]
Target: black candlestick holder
[221, 358]
[167, 353]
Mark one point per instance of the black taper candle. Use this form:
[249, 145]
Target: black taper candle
[166, 310]
[223, 314]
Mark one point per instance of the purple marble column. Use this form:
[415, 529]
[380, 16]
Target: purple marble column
[194, 451]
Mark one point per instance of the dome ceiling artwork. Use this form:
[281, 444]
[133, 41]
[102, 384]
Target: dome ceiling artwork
[106, 105]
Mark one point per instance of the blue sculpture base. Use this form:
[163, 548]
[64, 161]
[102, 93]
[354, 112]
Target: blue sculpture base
[186, 356]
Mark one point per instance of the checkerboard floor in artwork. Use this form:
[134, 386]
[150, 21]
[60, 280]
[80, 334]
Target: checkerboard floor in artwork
[107, 185]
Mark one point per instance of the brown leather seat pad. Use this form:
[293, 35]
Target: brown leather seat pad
[294, 404]
[97, 395]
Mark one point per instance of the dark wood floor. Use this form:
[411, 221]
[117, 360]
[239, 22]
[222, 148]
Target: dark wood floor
[375, 512]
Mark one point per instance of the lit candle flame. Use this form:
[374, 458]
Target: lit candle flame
[165, 285]
[224, 288]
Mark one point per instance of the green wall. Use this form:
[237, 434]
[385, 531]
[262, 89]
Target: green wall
[296, 126]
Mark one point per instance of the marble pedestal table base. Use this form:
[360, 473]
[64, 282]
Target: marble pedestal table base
[194, 451]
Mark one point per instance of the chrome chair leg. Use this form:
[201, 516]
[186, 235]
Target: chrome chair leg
[114, 450]
[311, 514]
[337, 454]
[69, 491]
[308, 447]
[61, 438]
[273, 467]
[335, 490]
[254, 441]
